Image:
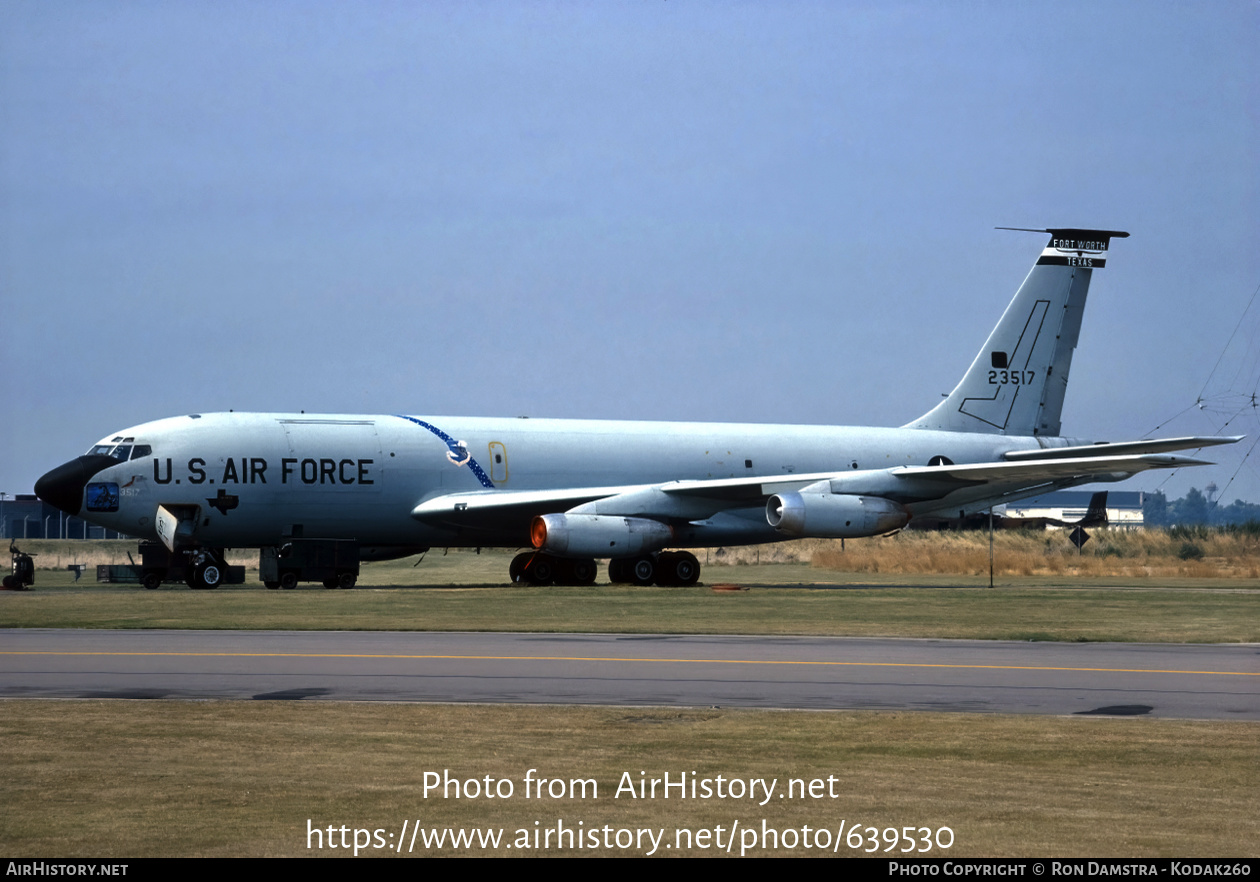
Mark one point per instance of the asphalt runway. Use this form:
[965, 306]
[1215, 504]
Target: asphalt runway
[1167, 681]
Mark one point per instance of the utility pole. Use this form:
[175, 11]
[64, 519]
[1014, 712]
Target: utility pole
[990, 546]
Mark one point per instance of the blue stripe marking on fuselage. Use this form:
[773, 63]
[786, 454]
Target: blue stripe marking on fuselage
[455, 449]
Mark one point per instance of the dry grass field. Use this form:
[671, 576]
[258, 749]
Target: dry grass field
[1136, 554]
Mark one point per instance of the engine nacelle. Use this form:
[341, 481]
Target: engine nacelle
[833, 515]
[584, 535]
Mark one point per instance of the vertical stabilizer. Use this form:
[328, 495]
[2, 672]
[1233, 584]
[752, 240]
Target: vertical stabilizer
[1096, 514]
[1017, 382]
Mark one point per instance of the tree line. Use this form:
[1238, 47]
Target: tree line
[1195, 508]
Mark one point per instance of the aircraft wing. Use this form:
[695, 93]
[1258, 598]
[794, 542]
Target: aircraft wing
[483, 501]
[920, 487]
[649, 500]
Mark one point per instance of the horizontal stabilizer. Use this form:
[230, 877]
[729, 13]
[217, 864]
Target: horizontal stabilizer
[1104, 448]
[1048, 470]
[1070, 246]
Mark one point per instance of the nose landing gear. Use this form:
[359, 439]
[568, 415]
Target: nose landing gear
[206, 572]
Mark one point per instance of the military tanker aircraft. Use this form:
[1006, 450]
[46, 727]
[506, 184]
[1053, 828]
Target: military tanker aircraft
[635, 493]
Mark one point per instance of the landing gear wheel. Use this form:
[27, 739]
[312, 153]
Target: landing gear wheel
[211, 575]
[583, 572]
[643, 571]
[207, 575]
[687, 569]
[272, 584]
[330, 582]
[346, 580]
[541, 570]
[535, 568]
[576, 572]
[516, 570]
[619, 571]
[678, 569]
[288, 581]
[151, 580]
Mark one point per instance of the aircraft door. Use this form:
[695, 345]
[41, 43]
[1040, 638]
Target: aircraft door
[498, 462]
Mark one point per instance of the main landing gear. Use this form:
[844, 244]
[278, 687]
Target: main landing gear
[674, 569]
[543, 569]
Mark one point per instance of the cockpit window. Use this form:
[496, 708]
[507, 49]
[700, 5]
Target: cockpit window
[121, 452]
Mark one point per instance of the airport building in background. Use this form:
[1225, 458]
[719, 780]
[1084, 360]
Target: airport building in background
[1124, 508]
[26, 516]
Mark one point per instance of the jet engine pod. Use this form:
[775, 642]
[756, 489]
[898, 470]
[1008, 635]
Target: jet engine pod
[833, 515]
[583, 535]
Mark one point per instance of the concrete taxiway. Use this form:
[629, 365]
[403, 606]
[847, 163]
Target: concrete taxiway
[1160, 680]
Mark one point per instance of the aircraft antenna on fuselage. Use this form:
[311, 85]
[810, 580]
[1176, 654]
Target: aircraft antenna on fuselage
[1111, 234]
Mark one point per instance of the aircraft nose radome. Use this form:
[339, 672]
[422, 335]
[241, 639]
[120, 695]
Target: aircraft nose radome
[63, 486]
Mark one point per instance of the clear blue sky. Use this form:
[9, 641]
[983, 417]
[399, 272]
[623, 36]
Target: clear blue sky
[648, 210]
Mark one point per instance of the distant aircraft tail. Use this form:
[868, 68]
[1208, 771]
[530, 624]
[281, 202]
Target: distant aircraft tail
[1096, 515]
[1017, 382]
